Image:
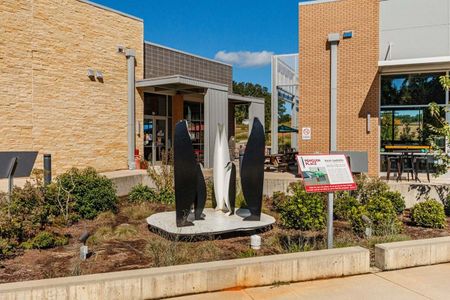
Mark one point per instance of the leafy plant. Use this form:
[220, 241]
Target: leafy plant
[344, 204]
[83, 192]
[25, 214]
[46, 240]
[302, 211]
[368, 187]
[163, 177]
[378, 214]
[141, 193]
[429, 213]
[397, 200]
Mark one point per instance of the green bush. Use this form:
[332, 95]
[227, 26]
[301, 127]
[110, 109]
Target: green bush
[46, 240]
[25, 214]
[343, 205]
[302, 210]
[429, 214]
[368, 187]
[166, 196]
[381, 214]
[397, 200]
[82, 193]
[447, 205]
[141, 193]
[163, 178]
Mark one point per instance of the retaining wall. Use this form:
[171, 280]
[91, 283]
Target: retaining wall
[196, 278]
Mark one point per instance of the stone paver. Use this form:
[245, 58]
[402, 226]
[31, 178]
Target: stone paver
[430, 282]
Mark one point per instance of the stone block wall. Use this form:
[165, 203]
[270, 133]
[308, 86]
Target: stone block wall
[48, 103]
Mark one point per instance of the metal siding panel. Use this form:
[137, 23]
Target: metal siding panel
[416, 28]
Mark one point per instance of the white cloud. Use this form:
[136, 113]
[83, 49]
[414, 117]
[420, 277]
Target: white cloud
[245, 58]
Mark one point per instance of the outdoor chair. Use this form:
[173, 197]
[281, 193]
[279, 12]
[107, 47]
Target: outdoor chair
[407, 164]
[425, 160]
[393, 165]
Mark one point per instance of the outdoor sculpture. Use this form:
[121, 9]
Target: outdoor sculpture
[252, 171]
[221, 170]
[190, 189]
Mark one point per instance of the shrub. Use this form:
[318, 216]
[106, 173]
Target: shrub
[368, 187]
[382, 216]
[6, 247]
[429, 214]
[343, 205]
[141, 193]
[46, 240]
[302, 211]
[166, 196]
[25, 214]
[163, 177]
[83, 192]
[397, 200]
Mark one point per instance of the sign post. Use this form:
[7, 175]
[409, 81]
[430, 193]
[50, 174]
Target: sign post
[326, 174]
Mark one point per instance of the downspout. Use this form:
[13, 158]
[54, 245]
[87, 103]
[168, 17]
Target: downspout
[131, 61]
[333, 39]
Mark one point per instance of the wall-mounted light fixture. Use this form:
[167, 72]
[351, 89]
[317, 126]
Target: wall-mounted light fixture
[347, 34]
[91, 74]
[99, 75]
[368, 123]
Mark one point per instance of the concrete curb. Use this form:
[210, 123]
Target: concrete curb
[399, 255]
[196, 278]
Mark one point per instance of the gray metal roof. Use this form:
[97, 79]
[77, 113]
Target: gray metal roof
[180, 82]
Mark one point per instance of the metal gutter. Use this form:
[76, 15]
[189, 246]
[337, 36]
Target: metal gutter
[111, 10]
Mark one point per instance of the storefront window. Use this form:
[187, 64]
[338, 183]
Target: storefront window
[412, 89]
[405, 118]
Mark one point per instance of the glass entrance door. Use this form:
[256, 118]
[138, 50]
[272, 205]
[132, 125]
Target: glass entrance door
[160, 140]
[148, 139]
[155, 138]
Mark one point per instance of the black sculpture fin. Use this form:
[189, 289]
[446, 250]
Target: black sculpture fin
[185, 171]
[200, 200]
[232, 188]
[252, 171]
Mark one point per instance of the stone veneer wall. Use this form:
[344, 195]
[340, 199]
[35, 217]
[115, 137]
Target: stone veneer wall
[358, 80]
[47, 101]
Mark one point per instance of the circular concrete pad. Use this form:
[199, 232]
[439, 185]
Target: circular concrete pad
[215, 222]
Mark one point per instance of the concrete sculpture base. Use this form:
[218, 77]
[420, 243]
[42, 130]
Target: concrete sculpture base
[215, 222]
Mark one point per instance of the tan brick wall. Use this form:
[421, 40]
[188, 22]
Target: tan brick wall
[48, 103]
[358, 83]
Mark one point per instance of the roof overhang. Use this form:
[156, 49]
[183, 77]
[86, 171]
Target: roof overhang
[244, 99]
[437, 63]
[179, 83]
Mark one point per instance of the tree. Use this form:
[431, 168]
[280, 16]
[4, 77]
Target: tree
[440, 128]
[253, 90]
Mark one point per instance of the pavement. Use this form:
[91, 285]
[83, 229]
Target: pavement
[430, 282]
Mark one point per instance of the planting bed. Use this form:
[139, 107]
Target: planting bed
[123, 241]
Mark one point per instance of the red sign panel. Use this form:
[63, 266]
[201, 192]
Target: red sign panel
[325, 173]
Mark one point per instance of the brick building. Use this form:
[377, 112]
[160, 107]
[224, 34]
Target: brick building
[389, 56]
[79, 82]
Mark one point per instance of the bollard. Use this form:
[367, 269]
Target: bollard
[241, 156]
[47, 169]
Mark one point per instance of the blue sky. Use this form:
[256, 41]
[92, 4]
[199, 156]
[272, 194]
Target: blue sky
[244, 32]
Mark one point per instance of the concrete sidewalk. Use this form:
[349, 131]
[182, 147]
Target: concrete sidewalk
[430, 282]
